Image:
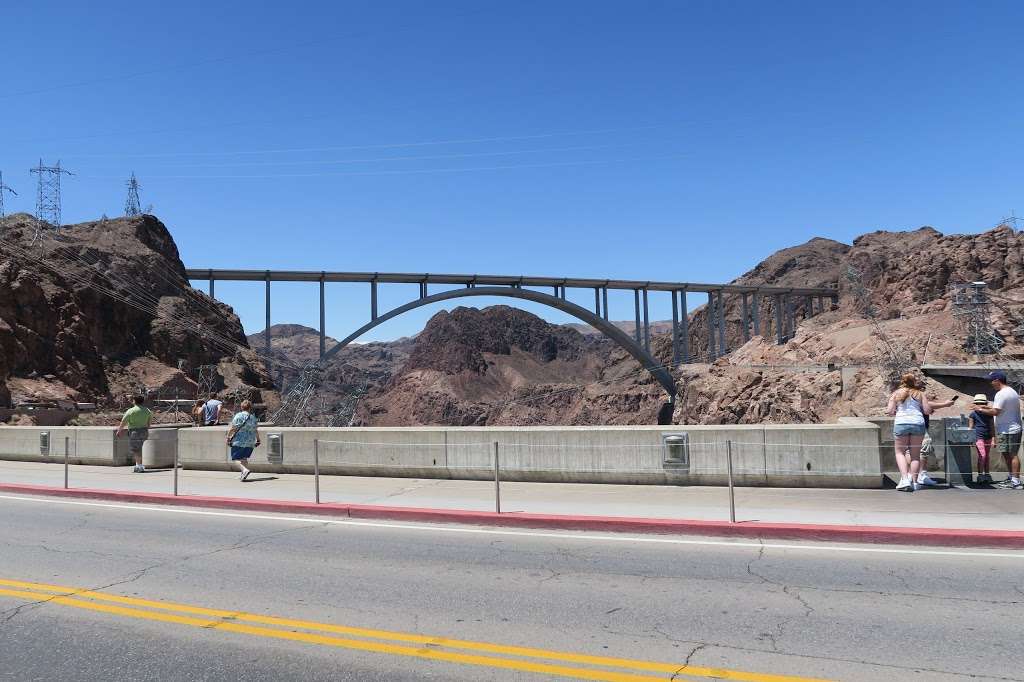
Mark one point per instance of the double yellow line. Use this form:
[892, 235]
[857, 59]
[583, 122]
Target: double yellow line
[541, 661]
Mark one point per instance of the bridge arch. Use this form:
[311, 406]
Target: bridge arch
[620, 337]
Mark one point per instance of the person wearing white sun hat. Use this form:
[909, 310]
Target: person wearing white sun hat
[984, 432]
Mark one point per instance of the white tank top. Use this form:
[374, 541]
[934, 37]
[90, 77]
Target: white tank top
[910, 411]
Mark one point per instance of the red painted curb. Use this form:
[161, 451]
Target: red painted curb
[941, 537]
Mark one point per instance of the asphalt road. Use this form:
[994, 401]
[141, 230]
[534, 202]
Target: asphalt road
[181, 595]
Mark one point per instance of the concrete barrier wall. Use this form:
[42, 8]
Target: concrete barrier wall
[810, 455]
[833, 455]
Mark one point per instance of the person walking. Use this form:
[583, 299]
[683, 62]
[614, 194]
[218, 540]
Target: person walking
[243, 436]
[136, 421]
[909, 405]
[984, 431]
[1006, 410]
[211, 411]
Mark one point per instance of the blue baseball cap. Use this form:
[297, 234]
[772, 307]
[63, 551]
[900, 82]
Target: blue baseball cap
[997, 375]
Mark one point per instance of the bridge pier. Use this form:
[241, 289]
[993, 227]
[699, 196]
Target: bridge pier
[757, 314]
[780, 333]
[721, 323]
[684, 325]
[647, 325]
[711, 326]
[266, 333]
[373, 300]
[675, 329]
[323, 334]
[211, 284]
[636, 308]
[746, 318]
[604, 297]
[597, 301]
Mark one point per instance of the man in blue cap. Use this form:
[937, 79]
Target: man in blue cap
[1006, 409]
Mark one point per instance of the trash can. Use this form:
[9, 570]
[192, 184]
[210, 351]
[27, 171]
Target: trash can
[959, 447]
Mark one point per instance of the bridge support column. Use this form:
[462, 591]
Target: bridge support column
[647, 325]
[636, 308]
[757, 314]
[211, 284]
[721, 323]
[790, 317]
[684, 326]
[780, 333]
[809, 307]
[746, 318]
[597, 301]
[712, 313]
[675, 329]
[323, 335]
[423, 289]
[373, 300]
[604, 298]
[266, 333]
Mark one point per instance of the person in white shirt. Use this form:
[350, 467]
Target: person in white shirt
[1006, 409]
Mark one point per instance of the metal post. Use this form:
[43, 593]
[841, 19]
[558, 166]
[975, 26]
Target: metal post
[497, 480]
[177, 442]
[647, 325]
[711, 326]
[267, 327]
[675, 329]
[604, 299]
[66, 439]
[684, 325]
[373, 300]
[323, 336]
[316, 469]
[721, 322]
[732, 491]
[780, 333]
[756, 310]
[636, 307]
[746, 318]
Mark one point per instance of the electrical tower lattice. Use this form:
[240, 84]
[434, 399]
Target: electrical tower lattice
[4, 188]
[48, 194]
[971, 309]
[132, 205]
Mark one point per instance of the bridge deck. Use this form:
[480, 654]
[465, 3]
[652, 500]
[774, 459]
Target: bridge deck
[485, 280]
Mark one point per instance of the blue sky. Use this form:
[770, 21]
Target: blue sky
[650, 140]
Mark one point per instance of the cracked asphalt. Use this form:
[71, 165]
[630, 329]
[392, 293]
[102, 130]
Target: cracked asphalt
[800, 611]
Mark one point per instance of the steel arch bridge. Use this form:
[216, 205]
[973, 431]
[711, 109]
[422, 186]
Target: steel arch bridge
[782, 303]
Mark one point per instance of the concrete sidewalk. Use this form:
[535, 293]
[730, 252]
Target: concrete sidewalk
[961, 508]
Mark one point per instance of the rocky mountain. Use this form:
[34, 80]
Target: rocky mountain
[101, 309]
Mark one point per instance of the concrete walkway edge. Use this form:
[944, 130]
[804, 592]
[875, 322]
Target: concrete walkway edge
[759, 530]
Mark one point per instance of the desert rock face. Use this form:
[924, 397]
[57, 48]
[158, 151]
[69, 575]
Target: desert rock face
[102, 308]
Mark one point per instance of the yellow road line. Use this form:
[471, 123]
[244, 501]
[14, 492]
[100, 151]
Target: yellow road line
[72, 597]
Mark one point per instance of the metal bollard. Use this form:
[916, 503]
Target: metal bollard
[497, 480]
[316, 468]
[66, 439]
[176, 442]
[732, 493]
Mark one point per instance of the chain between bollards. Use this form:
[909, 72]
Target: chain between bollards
[732, 493]
[497, 480]
[66, 439]
[316, 469]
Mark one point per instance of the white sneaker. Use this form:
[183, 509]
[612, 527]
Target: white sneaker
[924, 479]
[904, 484]
[917, 486]
[245, 474]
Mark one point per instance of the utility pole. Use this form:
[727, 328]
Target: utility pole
[132, 204]
[48, 194]
[4, 188]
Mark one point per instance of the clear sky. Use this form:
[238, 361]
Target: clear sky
[650, 140]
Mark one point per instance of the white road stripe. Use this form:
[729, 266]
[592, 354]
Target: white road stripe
[965, 553]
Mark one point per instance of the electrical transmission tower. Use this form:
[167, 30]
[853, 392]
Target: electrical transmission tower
[4, 188]
[971, 309]
[299, 406]
[1012, 220]
[132, 205]
[48, 195]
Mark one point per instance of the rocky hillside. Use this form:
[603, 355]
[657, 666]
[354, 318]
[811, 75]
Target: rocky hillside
[101, 309]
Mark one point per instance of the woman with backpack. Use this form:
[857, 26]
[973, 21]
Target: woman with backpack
[243, 437]
[909, 405]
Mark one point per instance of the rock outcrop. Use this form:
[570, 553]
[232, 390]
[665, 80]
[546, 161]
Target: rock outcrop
[100, 309]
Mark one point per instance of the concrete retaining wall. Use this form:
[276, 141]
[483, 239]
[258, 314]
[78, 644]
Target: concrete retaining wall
[812, 455]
